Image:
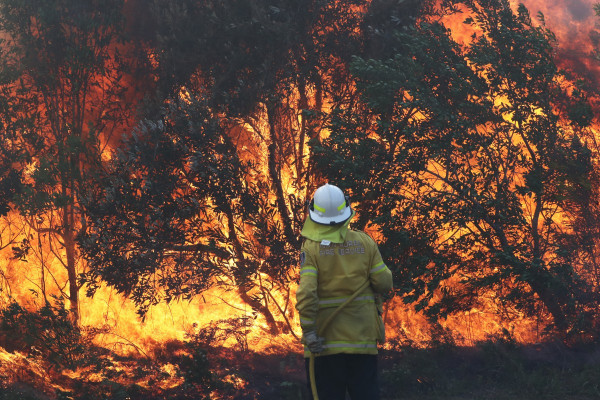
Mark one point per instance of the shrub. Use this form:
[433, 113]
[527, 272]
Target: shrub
[49, 331]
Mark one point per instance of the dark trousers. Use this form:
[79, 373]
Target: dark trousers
[338, 373]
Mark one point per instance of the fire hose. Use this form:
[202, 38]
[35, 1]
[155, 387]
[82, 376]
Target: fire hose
[321, 330]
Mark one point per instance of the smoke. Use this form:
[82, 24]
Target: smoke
[579, 10]
[577, 31]
[570, 20]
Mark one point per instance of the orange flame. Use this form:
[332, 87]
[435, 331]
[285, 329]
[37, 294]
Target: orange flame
[573, 22]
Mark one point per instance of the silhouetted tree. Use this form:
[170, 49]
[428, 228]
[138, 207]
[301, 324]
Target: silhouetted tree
[257, 75]
[62, 87]
[464, 164]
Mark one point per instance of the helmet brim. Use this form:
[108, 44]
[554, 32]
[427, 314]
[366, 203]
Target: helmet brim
[337, 220]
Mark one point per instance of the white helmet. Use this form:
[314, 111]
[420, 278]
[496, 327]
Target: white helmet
[329, 206]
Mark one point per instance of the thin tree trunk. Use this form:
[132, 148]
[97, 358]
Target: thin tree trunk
[302, 105]
[70, 249]
[551, 302]
[276, 183]
[243, 283]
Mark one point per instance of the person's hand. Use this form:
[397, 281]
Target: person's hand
[313, 342]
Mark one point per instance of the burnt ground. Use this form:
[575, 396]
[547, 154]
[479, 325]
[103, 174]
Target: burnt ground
[498, 370]
[494, 370]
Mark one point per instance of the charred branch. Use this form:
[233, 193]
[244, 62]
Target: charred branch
[202, 248]
[274, 174]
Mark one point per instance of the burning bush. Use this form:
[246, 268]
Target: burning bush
[49, 331]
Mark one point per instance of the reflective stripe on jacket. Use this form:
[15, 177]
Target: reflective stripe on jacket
[330, 274]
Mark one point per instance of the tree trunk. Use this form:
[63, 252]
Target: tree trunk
[302, 105]
[277, 185]
[550, 301]
[243, 283]
[70, 249]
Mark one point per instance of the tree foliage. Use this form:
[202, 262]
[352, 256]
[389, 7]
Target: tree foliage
[158, 213]
[467, 168]
[61, 86]
[470, 161]
[212, 192]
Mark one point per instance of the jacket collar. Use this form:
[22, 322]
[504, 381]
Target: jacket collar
[319, 232]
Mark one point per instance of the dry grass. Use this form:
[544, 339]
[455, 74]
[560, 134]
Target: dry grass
[495, 370]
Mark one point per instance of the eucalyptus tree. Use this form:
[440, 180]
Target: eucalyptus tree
[465, 163]
[257, 75]
[63, 81]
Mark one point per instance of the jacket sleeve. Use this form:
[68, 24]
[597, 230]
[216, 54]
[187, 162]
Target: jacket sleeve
[307, 299]
[380, 275]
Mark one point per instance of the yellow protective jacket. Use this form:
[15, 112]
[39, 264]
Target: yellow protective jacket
[329, 274]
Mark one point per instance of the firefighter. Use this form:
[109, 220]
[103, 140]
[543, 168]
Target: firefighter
[335, 261]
